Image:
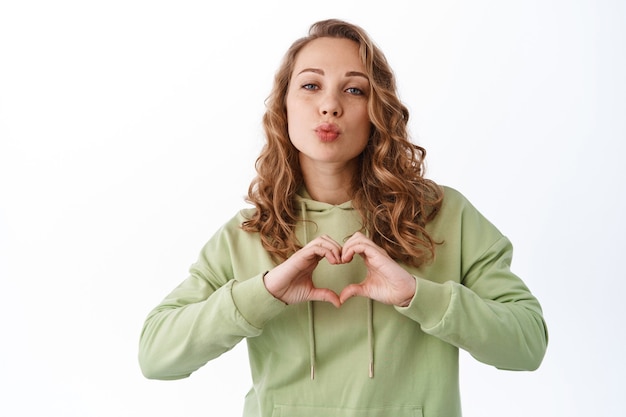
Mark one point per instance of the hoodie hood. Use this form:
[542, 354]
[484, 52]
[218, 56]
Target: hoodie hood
[310, 211]
[306, 203]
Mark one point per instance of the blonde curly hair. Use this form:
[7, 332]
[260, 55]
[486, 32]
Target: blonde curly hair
[389, 190]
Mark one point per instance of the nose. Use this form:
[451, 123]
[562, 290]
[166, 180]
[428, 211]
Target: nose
[330, 105]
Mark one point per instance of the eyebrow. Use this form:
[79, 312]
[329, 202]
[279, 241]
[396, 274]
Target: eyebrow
[348, 74]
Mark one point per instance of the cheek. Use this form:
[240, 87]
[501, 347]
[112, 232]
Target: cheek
[298, 113]
[294, 122]
[291, 109]
[365, 123]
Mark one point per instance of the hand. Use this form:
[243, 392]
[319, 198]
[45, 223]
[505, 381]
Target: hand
[292, 281]
[386, 281]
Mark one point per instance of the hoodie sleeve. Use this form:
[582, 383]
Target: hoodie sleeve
[488, 311]
[205, 316]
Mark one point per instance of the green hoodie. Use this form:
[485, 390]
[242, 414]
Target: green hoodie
[364, 359]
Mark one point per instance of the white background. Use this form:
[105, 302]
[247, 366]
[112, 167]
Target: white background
[128, 133]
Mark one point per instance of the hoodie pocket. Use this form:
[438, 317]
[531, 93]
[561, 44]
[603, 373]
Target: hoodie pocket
[281, 410]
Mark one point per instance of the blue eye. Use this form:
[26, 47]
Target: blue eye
[310, 87]
[355, 91]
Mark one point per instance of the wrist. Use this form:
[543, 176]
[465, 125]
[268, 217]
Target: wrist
[410, 293]
[267, 282]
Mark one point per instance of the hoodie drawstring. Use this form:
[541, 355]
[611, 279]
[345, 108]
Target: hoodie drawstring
[311, 319]
[370, 327]
[311, 340]
[370, 334]
[310, 303]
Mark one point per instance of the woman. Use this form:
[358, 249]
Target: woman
[354, 279]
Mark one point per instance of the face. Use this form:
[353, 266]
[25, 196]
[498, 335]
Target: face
[327, 103]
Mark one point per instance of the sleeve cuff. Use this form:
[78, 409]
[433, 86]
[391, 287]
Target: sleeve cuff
[254, 302]
[429, 304]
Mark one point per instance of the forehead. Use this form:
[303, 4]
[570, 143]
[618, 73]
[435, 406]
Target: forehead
[330, 53]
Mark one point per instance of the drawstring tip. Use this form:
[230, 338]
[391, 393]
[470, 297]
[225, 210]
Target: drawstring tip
[371, 369]
[312, 372]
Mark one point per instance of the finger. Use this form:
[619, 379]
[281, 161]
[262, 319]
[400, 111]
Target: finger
[325, 247]
[365, 249]
[352, 290]
[324, 294]
[331, 244]
[356, 237]
[330, 240]
[320, 249]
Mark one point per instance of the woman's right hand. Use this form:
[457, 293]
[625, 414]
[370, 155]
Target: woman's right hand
[292, 281]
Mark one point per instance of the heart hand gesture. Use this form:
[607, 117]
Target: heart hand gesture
[386, 281]
[292, 281]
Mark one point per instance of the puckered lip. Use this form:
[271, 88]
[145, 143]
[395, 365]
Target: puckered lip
[327, 128]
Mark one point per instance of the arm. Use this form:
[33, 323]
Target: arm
[205, 316]
[491, 314]
[469, 297]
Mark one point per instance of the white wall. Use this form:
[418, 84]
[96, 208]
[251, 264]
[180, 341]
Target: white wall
[128, 132]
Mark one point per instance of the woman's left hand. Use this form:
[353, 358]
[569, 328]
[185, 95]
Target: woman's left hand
[386, 281]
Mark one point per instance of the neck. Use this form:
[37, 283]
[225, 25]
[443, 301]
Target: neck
[329, 184]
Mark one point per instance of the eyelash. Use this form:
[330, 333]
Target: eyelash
[357, 91]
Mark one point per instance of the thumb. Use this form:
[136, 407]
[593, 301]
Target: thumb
[324, 294]
[352, 290]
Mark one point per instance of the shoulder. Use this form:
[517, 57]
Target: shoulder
[231, 229]
[454, 200]
[459, 214]
[235, 221]
[230, 237]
